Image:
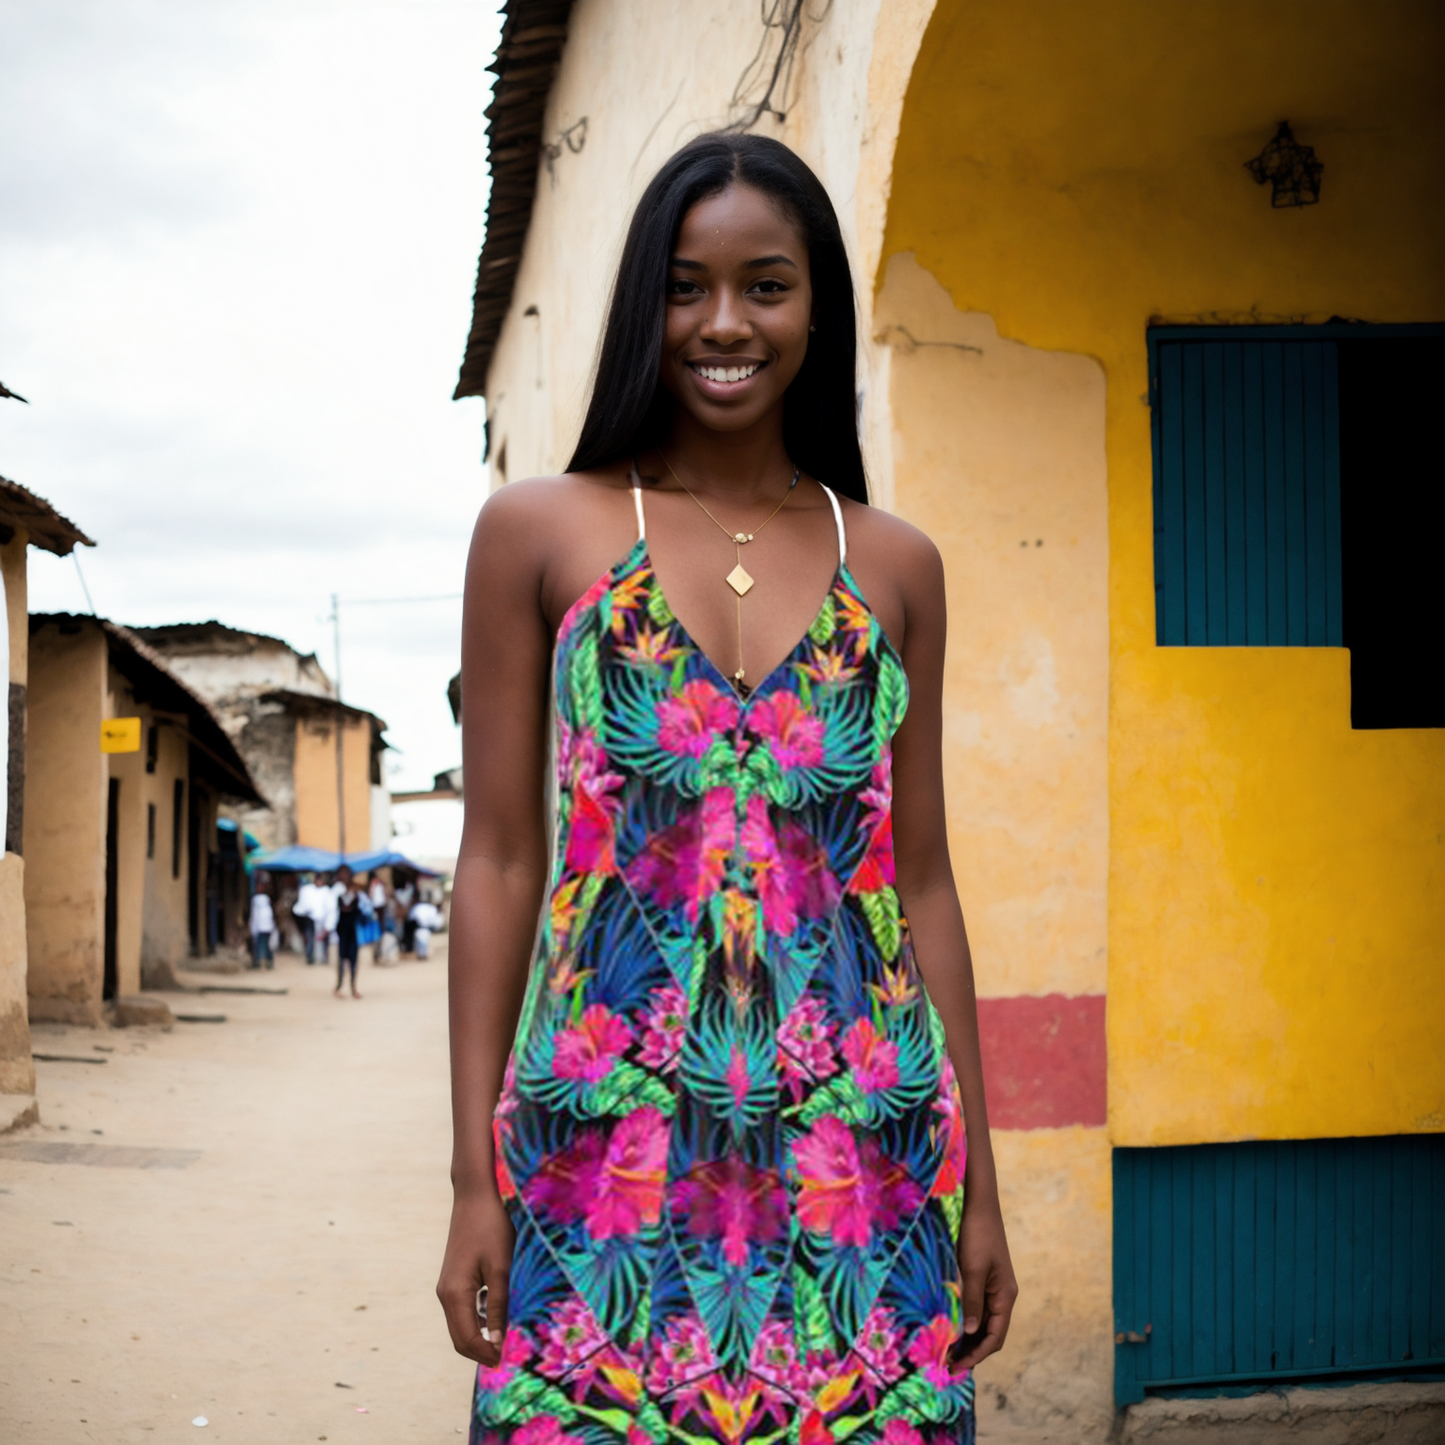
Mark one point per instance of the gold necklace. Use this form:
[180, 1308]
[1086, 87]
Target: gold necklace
[739, 579]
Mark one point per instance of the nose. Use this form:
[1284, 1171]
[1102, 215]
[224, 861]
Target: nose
[726, 322]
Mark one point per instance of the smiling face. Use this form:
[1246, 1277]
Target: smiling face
[739, 302]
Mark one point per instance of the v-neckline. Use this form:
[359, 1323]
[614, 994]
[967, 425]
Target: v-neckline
[729, 686]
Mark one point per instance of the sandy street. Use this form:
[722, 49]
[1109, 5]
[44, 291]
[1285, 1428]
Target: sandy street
[248, 1225]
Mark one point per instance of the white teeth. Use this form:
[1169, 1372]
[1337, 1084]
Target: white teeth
[726, 373]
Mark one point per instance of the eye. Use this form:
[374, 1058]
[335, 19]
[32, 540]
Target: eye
[770, 286]
[681, 286]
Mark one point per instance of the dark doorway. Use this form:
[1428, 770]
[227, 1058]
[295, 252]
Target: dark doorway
[1392, 469]
[112, 884]
[195, 871]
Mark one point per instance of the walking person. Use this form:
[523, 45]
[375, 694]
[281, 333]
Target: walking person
[262, 925]
[721, 1159]
[304, 911]
[348, 930]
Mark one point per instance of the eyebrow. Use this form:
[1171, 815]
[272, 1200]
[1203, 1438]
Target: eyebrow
[683, 264]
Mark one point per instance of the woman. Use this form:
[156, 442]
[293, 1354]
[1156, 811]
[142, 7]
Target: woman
[348, 930]
[720, 1185]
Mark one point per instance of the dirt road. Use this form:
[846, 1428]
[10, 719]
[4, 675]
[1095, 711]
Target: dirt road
[240, 1221]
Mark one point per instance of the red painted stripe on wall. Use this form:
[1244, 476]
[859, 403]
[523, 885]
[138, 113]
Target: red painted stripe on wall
[1043, 1060]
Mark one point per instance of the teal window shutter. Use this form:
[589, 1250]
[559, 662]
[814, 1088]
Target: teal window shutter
[1247, 492]
[1240, 1266]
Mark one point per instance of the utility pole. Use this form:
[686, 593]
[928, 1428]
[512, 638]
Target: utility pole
[340, 728]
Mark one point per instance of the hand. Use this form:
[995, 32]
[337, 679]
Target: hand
[479, 1252]
[989, 1286]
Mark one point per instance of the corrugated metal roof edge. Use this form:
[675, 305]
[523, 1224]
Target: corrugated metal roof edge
[533, 34]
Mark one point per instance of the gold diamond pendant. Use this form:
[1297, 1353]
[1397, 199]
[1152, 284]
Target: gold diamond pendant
[739, 580]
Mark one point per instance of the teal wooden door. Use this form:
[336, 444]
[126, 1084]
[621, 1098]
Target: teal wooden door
[1267, 1263]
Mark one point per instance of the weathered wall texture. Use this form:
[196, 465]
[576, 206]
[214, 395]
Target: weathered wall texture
[1265, 859]
[316, 801]
[65, 801]
[17, 1069]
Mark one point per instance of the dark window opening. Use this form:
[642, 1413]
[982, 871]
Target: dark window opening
[1392, 459]
[153, 747]
[150, 830]
[1299, 500]
[178, 814]
[112, 885]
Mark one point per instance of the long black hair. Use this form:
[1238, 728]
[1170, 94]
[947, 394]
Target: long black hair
[630, 409]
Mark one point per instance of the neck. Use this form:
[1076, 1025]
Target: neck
[752, 463]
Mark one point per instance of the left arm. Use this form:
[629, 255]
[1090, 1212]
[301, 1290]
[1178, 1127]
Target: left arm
[930, 902]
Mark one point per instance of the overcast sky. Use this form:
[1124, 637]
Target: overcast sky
[237, 246]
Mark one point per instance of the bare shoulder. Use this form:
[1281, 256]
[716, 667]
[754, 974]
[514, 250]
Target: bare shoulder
[898, 565]
[533, 509]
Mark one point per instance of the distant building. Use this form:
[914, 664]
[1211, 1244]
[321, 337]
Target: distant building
[126, 875]
[279, 708]
[25, 521]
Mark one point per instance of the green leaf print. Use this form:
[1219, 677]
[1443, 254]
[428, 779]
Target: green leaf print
[604, 611]
[840, 1096]
[826, 622]
[524, 1396]
[913, 1396]
[884, 920]
[642, 1321]
[585, 682]
[679, 675]
[891, 701]
[626, 1088]
[953, 1212]
[657, 608]
[812, 1325]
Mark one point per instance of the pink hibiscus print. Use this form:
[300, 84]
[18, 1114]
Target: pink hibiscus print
[731, 1200]
[684, 863]
[688, 722]
[795, 736]
[850, 1190]
[544, 1430]
[790, 867]
[874, 1057]
[614, 1184]
[805, 1045]
[516, 1351]
[571, 1336]
[590, 829]
[682, 1361]
[774, 1357]
[900, 1432]
[929, 1351]
[878, 1346]
[588, 1049]
[664, 1027]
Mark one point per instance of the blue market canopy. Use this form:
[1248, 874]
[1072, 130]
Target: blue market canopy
[298, 859]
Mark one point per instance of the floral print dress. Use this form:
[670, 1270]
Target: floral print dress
[729, 1137]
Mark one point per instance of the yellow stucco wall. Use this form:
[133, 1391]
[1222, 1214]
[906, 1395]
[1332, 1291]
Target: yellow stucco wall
[998, 454]
[65, 800]
[316, 820]
[1075, 171]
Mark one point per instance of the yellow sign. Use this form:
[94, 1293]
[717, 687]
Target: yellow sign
[120, 735]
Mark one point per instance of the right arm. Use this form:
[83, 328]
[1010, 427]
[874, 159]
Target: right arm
[497, 894]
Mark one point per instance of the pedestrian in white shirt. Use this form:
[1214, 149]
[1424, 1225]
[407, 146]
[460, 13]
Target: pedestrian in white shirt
[263, 925]
[305, 911]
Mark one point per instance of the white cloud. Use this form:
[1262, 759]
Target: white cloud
[237, 247]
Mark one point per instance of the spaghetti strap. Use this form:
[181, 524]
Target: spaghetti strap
[637, 503]
[838, 518]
